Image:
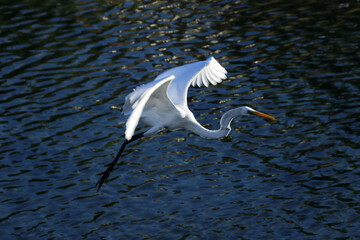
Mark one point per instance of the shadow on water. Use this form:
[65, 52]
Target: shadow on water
[66, 67]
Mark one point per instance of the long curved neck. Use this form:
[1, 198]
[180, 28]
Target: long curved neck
[224, 129]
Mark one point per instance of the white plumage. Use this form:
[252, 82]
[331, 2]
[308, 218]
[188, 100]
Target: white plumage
[163, 102]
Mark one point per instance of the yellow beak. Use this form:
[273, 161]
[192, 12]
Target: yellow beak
[263, 115]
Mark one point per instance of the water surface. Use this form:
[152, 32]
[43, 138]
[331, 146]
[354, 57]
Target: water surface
[65, 69]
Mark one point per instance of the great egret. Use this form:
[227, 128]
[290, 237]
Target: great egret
[162, 103]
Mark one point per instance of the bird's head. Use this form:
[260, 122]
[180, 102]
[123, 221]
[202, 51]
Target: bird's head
[226, 119]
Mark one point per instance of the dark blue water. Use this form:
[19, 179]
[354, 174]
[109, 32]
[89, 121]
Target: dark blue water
[65, 68]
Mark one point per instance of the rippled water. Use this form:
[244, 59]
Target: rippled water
[66, 67]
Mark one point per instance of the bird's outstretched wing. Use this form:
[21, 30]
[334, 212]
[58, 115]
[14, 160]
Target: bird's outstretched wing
[197, 74]
[136, 101]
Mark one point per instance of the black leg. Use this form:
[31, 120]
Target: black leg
[110, 166]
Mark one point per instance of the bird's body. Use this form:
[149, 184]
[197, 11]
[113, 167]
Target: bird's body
[162, 103]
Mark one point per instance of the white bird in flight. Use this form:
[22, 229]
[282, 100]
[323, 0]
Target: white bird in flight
[162, 103]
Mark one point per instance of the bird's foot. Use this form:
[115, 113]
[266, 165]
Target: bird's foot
[105, 175]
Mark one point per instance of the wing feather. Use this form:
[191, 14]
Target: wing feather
[211, 76]
[138, 104]
[211, 80]
[205, 81]
[195, 74]
[219, 75]
[198, 80]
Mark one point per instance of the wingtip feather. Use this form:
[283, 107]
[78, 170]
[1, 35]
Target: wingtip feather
[212, 73]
